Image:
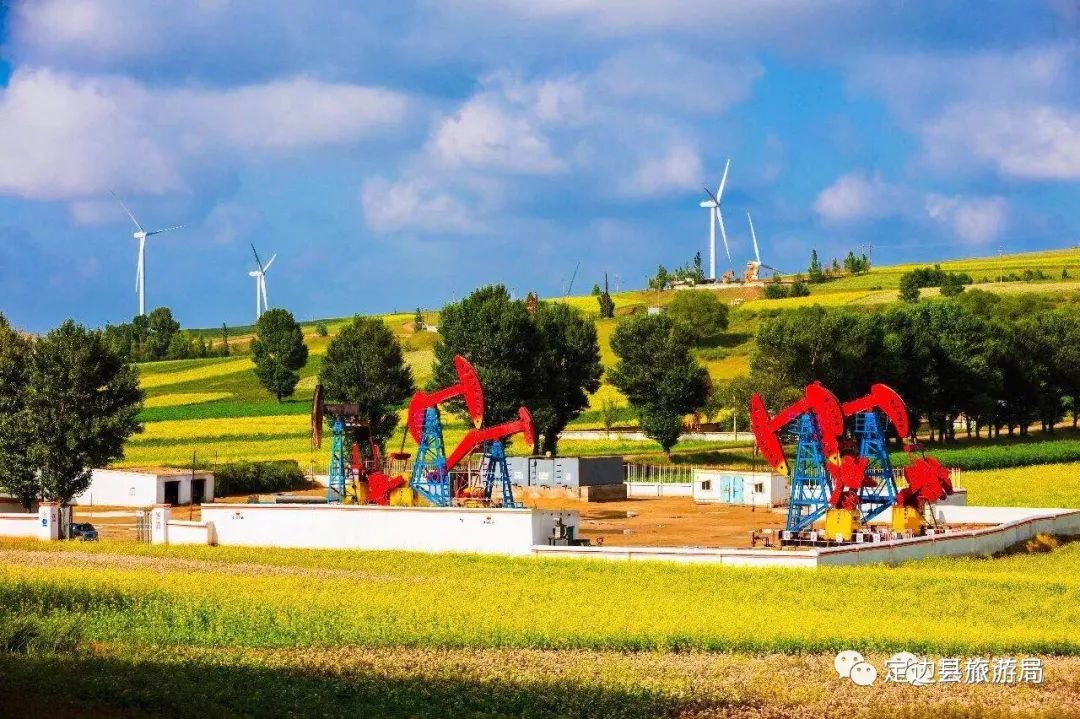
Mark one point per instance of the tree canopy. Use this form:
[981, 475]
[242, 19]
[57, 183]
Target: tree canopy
[698, 314]
[82, 404]
[17, 472]
[658, 375]
[364, 364]
[279, 352]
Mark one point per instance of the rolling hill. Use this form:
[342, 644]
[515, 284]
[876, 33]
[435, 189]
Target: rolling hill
[216, 409]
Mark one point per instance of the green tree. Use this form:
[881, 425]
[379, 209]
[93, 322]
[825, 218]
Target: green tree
[224, 340]
[658, 375]
[952, 285]
[595, 290]
[607, 305]
[699, 268]
[160, 329]
[698, 314]
[661, 280]
[909, 288]
[322, 330]
[418, 321]
[569, 370]
[364, 364]
[279, 352]
[181, 346]
[499, 337]
[83, 400]
[17, 473]
[814, 271]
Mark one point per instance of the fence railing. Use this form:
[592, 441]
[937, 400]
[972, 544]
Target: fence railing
[660, 473]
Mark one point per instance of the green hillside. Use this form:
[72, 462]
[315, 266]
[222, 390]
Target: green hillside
[216, 408]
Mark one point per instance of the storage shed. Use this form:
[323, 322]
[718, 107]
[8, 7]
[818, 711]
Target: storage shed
[143, 488]
[569, 472]
[752, 489]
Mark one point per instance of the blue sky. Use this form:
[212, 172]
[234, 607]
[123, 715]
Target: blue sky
[399, 154]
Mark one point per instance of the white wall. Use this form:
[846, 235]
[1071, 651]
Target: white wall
[184, 532]
[425, 529]
[658, 489]
[43, 524]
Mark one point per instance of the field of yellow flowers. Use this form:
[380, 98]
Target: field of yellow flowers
[336, 633]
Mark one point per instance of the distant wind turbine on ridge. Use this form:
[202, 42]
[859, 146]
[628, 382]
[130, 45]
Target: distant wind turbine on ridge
[261, 303]
[716, 217]
[141, 234]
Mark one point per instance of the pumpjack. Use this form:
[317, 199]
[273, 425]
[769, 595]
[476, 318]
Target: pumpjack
[363, 479]
[827, 481]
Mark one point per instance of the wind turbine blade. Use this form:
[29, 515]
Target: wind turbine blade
[262, 290]
[723, 181]
[117, 198]
[138, 273]
[257, 260]
[267, 267]
[723, 234]
[712, 197]
[167, 229]
[753, 236]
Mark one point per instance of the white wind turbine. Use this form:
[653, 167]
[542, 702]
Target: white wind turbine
[140, 270]
[754, 266]
[261, 303]
[715, 217]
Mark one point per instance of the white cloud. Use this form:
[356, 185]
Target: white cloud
[486, 133]
[413, 205]
[69, 137]
[656, 73]
[856, 196]
[679, 168]
[975, 220]
[1015, 112]
[1030, 142]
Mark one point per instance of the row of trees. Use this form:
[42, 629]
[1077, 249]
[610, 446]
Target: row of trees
[853, 265]
[1003, 363]
[157, 336]
[68, 403]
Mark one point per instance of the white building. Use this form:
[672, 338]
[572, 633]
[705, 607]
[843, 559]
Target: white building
[751, 489]
[124, 488]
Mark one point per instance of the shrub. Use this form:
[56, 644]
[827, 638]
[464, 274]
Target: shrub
[321, 329]
[257, 477]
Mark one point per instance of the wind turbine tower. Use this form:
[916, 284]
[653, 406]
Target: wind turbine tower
[712, 204]
[140, 270]
[261, 303]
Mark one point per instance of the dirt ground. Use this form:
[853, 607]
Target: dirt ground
[666, 521]
[648, 522]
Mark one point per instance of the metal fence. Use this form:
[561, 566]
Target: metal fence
[660, 473]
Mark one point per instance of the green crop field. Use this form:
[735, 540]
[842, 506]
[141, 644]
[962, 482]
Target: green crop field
[210, 406]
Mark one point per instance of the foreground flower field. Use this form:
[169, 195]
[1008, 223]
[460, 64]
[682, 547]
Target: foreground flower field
[336, 633]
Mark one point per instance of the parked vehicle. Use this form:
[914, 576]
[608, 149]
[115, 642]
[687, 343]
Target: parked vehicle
[84, 531]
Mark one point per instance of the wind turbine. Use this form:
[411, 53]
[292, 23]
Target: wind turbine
[754, 265]
[140, 270]
[715, 216]
[261, 304]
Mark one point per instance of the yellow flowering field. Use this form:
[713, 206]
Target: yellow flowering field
[182, 398]
[206, 370]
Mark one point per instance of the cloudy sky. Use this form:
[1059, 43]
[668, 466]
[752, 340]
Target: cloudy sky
[397, 154]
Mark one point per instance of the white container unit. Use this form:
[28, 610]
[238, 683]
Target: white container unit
[750, 489]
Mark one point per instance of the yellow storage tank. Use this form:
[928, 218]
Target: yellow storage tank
[840, 524]
[904, 518]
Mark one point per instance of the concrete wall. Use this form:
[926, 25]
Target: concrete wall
[806, 559]
[752, 489]
[121, 488]
[43, 524]
[659, 489]
[1018, 525]
[425, 529]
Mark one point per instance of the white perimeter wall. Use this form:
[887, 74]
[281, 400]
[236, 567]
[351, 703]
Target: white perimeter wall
[659, 489]
[424, 529]
[43, 524]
